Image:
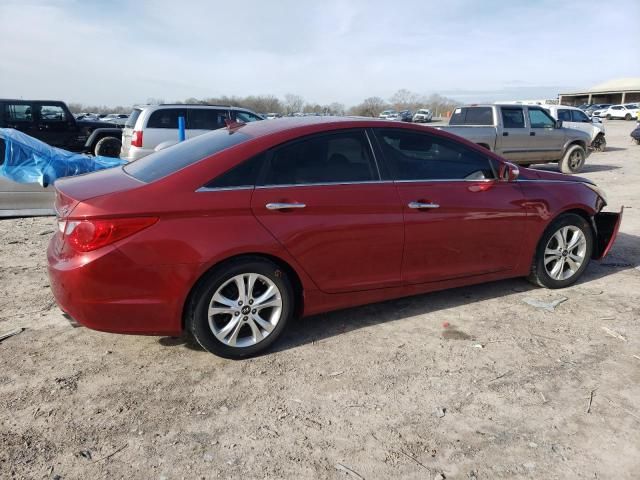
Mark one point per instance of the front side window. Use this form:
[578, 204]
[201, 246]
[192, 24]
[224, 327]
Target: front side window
[539, 119]
[206, 119]
[52, 113]
[247, 117]
[512, 118]
[166, 118]
[18, 113]
[579, 116]
[418, 156]
[343, 157]
[564, 115]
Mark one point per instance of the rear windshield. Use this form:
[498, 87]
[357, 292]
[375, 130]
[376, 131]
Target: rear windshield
[174, 158]
[133, 118]
[472, 116]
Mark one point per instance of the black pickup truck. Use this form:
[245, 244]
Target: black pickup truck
[51, 122]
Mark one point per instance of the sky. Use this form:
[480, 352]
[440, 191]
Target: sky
[119, 52]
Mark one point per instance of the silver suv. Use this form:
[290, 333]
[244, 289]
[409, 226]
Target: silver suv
[154, 127]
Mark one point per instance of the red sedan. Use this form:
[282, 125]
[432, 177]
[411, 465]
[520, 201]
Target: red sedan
[230, 235]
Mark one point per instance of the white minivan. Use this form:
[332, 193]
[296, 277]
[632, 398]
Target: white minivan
[573, 117]
[153, 127]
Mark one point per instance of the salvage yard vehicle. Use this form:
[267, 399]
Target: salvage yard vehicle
[388, 114]
[628, 111]
[573, 117]
[153, 127]
[232, 234]
[423, 115]
[523, 134]
[51, 122]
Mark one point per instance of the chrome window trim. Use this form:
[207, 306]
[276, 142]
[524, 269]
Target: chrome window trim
[223, 189]
[439, 180]
[323, 184]
[373, 153]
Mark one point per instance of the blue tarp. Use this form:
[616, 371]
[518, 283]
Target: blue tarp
[28, 160]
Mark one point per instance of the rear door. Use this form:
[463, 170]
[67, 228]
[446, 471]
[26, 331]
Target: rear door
[54, 125]
[460, 221]
[323, 199]
[513, 141]
[546, 141]
[203, 120]
[162, 126]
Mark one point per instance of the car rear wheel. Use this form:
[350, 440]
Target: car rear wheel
[241, 308]
[573, 159]
[563, 253]
[108, 147]
[627, 116]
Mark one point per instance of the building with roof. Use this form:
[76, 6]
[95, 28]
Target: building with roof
[621, 90]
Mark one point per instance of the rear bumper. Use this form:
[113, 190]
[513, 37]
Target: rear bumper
[107, 291]
[135, 153]
[607, 225]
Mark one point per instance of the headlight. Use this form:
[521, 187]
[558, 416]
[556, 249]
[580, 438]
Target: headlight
[598, 190]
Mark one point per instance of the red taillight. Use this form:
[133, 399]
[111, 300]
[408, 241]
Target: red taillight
[88, 235]
[136, 139]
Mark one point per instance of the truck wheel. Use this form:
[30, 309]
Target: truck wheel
[108, 147]
[599, 143]
[573, 159]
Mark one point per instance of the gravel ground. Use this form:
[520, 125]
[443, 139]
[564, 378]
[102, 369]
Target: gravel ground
[507, 390]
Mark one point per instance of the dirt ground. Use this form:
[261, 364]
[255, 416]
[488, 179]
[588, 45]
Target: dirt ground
[508, 390]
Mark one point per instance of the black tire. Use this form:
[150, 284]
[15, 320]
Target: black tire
[573, 159]
[600, 143]
[539, 275]
[108, 147]
[627, 116]
[608, 117]
[197, 320]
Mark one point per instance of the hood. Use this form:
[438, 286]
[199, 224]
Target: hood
[535, 174]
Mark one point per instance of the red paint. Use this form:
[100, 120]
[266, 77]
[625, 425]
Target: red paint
[353, 244]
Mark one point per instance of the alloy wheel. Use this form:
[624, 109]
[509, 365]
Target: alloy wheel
[575, 159]
[565, 252]
[244, 310]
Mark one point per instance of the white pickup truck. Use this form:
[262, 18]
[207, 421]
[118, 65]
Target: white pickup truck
[523, 134]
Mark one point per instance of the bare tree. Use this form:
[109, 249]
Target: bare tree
[370, 107]
[293, 103]
[404, 99]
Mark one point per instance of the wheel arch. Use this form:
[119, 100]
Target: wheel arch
[296, 282]
[588, 217]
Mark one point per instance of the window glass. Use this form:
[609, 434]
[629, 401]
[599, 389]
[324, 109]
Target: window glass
[242, 175]
[565, 115]
[169, 160]
[419, 156]
[539, 119]
[133, 118]
[166, 118]
[206, 119]
[616, 108]
[333, 158]
[247, 117]
[18, 113]
[512, 118]
[52, 113]
[579, 116]
[472, 116]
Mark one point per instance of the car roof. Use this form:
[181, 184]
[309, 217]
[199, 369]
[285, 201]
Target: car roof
[188, 105]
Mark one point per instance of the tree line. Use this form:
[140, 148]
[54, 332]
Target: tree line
[291, 103]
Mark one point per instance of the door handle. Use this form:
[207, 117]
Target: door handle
[532, 134]
[420, 205]
[284, 206]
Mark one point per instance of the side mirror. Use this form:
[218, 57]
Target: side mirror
[508, 172]
[558, 123]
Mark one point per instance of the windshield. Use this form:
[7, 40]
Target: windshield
[170, 160]
[131, 121]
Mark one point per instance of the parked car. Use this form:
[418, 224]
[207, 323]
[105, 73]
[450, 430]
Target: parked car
[230, 235]
[598, 110]
[388, 114]
[405, 116]
[423, 115]
[573, 117]
[523, 134]
[628, 111]
[51, 122]
[153, 127]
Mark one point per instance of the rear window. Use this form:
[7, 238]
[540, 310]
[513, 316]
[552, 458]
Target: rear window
[174, 158]
[166, 118]
[133, 118]
[472, 116]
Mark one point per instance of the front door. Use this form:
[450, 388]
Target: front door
[460, 221]
[546, 140]
[513, 141]
[323, 199]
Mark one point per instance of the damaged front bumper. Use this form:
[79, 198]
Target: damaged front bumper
[606, 226]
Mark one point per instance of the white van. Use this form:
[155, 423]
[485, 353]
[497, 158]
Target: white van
[154, 127]
[573, 117]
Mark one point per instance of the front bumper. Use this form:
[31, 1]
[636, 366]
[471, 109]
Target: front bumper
[607, 225]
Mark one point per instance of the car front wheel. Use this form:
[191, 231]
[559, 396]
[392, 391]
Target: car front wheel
[573, 159]
[241, 308]
[563, 253]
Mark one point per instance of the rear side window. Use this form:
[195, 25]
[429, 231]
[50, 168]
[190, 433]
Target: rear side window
[166, 118]
[169, 160]
[578, 116]
[512, 118]
[133, 118]
[472, 116]
[18, 113]
[416, 156]
[540, 119]
[52, 113]
[240, 176]
[246, 117]
[205, 119]
[343, 157]
[565, 115]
